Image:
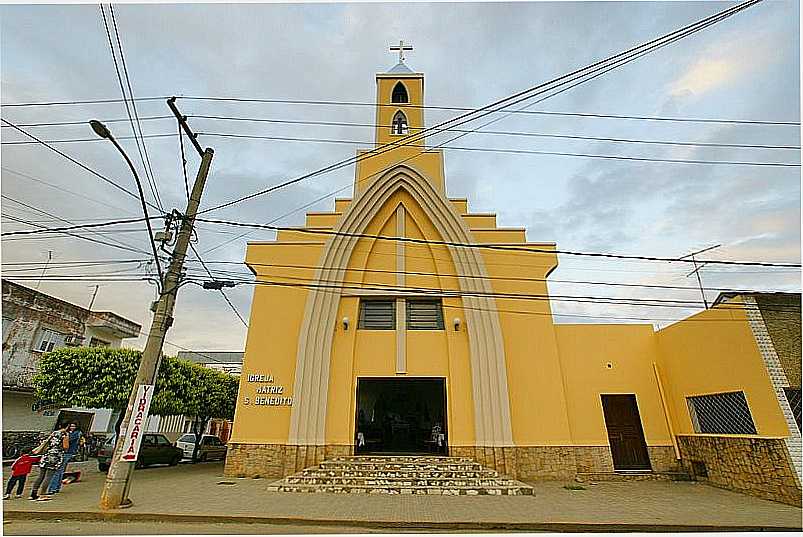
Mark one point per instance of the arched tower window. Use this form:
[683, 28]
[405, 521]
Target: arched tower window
[399, 94]
[399, 124]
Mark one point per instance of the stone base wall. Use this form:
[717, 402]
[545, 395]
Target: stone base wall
[543, 463]
[277, 460]
[531, 463]
[664, 459]
[759, 467]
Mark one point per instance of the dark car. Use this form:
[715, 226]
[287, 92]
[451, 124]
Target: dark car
[155, 449]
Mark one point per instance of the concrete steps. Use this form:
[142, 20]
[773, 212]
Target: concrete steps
[401, 474]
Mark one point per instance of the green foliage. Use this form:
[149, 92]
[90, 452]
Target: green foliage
[101, 377]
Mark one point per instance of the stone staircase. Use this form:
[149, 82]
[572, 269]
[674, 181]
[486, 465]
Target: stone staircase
[401, 474]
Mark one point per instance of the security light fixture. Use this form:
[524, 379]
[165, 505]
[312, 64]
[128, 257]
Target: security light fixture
[345, 323]
[100, 129]
[456, 324]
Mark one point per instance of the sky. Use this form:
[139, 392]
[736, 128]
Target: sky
[744, 68]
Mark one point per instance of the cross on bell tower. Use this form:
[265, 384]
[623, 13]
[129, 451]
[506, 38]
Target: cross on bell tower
[401, 48]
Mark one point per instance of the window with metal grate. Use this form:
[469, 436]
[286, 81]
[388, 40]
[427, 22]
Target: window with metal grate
[721, 413]
[377, 315]
[793, 396]
[424, 315]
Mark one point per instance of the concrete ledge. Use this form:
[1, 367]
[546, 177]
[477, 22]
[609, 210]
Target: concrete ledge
[410, 525]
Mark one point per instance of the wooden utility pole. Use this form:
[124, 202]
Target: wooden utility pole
[118, 481]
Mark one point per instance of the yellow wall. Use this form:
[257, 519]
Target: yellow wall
[555, 373]
[715, 351]
[270, 348]
[586, 351]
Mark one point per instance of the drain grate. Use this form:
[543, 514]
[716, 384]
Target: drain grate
[226, 483]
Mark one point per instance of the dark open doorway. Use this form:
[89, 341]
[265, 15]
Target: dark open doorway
[401, 415]
[626, 437]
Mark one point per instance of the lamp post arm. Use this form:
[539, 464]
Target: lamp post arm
[144, 208]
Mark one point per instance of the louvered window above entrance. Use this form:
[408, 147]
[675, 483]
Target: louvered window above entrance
[377, 314]
[424, 314]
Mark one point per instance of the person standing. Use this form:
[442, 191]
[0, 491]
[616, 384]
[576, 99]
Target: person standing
[74, 437]
[54, 448]
[19, 473]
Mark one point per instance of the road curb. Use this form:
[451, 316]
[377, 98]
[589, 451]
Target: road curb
[408, 525]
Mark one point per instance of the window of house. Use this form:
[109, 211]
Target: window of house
[95, 342]
[49, 340]
[377, 314]
[721, 413]
[399, 124]
[399, 94]
[424, 314]
[793, 397]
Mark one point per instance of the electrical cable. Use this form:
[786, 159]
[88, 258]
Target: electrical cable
[150, 180]
[226, 298]
[527, 94]
[495, 246]
[80, 164]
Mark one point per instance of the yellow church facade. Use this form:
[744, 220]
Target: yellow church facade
[401, 322]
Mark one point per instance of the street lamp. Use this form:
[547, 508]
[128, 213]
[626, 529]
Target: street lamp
[103, 132]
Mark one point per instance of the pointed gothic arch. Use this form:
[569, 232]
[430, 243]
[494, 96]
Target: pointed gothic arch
[492, 424]
[399, 94]
[399, 124]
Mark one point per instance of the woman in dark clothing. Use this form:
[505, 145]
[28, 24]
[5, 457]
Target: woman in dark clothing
[51, 461]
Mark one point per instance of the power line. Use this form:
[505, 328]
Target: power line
[517, 151]
[72, 227]
[84, 140]
[373, 104]
[80, 164]
[223, 293]
[602, 66]
[83, 122]
[116, 244]
[375, 125]
[468, 149]
[494, 246]
[145, 162]
[503, 133]
[487, 278]
[526, 112]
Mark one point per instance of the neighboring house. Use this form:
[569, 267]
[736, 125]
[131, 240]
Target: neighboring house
[35, 323]
[174, 426]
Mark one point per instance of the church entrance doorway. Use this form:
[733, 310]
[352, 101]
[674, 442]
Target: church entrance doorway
[401, 415]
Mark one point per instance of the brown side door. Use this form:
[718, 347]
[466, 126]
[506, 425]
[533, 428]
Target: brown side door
[625, 435]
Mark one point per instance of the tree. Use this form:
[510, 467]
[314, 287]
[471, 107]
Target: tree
[213, 395]
[101, 377]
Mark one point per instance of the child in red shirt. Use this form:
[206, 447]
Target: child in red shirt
[19, 472]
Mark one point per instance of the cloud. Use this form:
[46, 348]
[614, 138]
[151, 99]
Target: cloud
[705, 75]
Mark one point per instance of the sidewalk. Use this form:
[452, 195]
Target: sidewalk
[199, 493]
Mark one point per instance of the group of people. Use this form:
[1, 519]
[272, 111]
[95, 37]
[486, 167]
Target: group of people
[53, 455]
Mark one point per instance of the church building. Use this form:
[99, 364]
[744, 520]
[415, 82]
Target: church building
[402, 322]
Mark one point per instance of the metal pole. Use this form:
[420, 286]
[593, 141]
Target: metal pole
[92, 302]
[144, 208]
[699, 280]
[115, 490]
[49, 257]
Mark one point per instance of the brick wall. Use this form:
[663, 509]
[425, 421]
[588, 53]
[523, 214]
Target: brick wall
[757, 466]
[783, 327]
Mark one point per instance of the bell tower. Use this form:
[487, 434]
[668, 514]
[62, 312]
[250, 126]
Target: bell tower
[399, 101]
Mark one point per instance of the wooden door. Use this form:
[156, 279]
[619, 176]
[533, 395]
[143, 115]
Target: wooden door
[625, 435]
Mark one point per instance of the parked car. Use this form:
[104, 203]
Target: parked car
[210, 448]
[155, 449]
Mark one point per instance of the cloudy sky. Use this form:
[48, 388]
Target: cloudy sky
[745, 68]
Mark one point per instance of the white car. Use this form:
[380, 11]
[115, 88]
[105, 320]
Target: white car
[211, 447]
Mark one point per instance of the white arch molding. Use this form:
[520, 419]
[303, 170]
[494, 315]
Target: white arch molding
[492, 425]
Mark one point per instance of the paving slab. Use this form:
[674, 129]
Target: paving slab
[201, 493]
